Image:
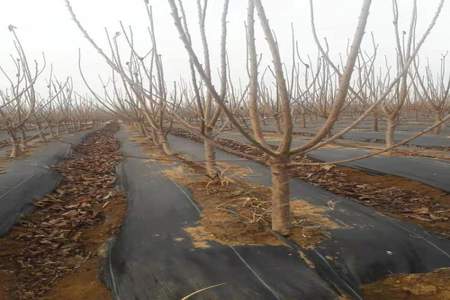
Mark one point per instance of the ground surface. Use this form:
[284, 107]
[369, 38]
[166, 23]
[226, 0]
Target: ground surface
[427, 286]
[30, 177]
[184, 233]
[370, 247]
[154, 257]
[56, 251]
[371, 184]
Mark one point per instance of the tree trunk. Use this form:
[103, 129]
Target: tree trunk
[165, 147]
[390, 130]
[52, 130]
[375, 122]
[438, 118]
[15, 147]
[23, 140]
[23, 144]
[280, 196]
[210, 155]
[141, 129]
[263, 119]
[210, 158]
[330, 133]
[164, 144]
[41, 134]
[278, 124]
[303, 120]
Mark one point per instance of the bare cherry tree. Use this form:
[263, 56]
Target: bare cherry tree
[140, 76]
[434, 90]
[19, 101]
[278, 157]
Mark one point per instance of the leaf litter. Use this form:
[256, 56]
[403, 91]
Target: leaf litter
[56, 251]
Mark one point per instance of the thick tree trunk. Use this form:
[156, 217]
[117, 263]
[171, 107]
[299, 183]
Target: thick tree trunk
[165, 147]
[280, 196]
[164, 144]
[330, 133]
[210, 155]
[210, 158]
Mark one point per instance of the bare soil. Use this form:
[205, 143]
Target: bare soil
[424, 286]
[235, 212]
[56, 252]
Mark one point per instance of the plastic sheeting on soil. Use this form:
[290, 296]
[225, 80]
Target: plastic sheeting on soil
[154, 258]
[30, 178]
[369, 248]
[433, 172]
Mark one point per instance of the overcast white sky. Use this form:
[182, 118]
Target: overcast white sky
[45, 26]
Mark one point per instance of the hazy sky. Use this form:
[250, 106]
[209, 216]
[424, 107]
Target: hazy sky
[45, 26]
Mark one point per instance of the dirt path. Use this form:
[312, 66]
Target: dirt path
[56, 252]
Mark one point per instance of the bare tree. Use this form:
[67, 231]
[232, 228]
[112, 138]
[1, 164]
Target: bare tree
[19, 101]
[279, 157]
[143, 83]
[434, 89]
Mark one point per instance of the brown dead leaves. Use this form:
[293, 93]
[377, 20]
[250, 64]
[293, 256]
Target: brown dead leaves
[68, 225]
[396, 196]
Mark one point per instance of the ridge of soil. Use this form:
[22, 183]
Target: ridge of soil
[392, 195]
[56, 252]
[235, 212]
